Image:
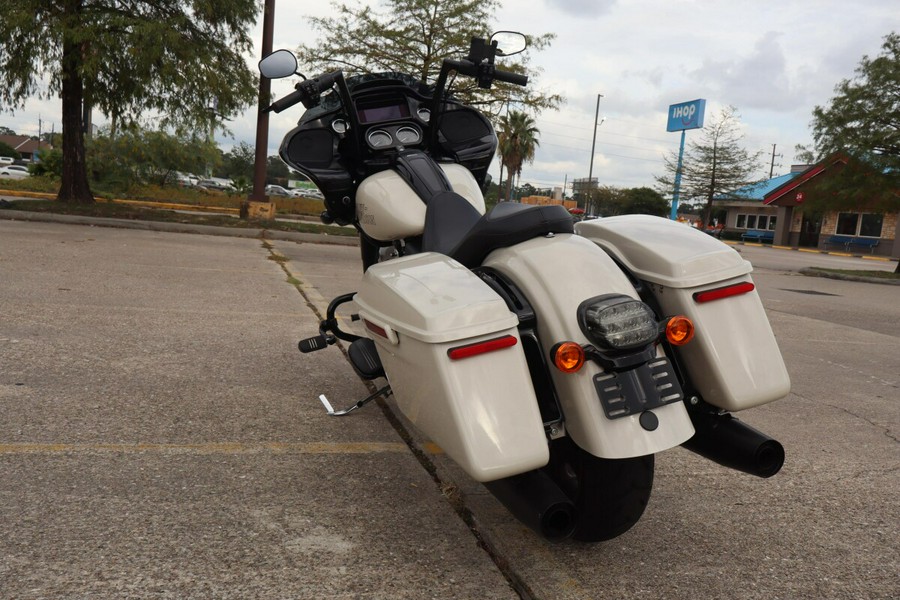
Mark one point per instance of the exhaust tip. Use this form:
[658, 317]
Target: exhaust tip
[769, 458]
[558, 522]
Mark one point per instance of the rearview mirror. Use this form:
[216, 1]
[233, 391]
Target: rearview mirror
[509, 42]
[279, 64]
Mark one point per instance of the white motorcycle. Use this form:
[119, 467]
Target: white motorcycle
[550, 360]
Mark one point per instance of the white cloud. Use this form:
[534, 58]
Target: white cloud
[774, 60]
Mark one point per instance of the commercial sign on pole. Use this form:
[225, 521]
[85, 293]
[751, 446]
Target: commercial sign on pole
[687, 115]
[683, 116]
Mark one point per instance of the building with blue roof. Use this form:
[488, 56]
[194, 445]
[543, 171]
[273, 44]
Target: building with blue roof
[777, 207]
[745, 208]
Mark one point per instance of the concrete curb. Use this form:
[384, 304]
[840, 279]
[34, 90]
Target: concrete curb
[811, 251]
[847, 277]
[251, 232]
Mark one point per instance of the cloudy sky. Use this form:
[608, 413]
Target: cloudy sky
[774, 61]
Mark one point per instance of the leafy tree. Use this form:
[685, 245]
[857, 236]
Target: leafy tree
[4, 130]
[414, 36]
[125, 57]
[276, 170]
[863, 122]
[7, 150]
[137, 155]
[238, 162]
[517, 141]
[610, 201]
[49, 163]
[645, 201]
[715, 166]
[606, 200]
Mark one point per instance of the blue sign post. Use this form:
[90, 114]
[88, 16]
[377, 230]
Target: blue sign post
[683, 116]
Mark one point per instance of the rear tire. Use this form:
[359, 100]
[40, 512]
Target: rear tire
[610, 494]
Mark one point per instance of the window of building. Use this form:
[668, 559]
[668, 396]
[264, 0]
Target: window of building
[859, 224]
[755, 222]
[870, 225]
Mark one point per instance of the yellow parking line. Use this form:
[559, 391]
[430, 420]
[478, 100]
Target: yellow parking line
[881, 258]
[209, 448]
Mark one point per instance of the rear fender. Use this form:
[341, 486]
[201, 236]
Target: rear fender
[556, 274]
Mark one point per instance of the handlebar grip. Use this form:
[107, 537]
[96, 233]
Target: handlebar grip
[324, 82]
[510, 77]
[287, 102]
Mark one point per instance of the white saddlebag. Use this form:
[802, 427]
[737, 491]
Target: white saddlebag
[481, 409]
[734, 360]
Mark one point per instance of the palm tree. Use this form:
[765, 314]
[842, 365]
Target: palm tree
[517, 141]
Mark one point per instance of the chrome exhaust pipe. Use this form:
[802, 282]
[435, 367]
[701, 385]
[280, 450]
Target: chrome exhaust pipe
[535, 500]
[731, 443]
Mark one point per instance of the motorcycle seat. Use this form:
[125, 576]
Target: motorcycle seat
[455, 228]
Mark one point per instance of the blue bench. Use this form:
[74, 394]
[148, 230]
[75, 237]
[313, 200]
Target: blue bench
[839, 240]
[869, 243]
[758, 235]
[846, 241]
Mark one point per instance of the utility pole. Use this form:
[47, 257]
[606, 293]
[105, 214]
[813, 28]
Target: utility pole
[258, 203]
[772, 166]
[590, 202]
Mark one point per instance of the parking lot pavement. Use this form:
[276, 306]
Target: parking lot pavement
[160, 435]
[161, 438]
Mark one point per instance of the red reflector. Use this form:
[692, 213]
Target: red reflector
[724, 292]
[482, 347]
[375, 328]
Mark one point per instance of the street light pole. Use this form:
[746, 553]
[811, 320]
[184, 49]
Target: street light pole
[590, 202]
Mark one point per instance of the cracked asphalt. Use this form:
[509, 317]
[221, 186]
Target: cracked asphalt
[160, 437]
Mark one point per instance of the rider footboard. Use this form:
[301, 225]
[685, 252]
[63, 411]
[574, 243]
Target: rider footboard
[734, 361]
[452, 354]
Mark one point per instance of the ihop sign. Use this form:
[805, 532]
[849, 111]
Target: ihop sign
[686, 115]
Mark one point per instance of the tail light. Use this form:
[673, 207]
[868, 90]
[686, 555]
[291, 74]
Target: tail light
[616, 322]
[724, 292]
[484, 347]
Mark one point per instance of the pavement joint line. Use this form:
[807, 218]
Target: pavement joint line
[206, 448]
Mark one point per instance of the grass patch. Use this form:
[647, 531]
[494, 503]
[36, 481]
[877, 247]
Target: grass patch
[888, 275]
[137, 213]
[169, 194]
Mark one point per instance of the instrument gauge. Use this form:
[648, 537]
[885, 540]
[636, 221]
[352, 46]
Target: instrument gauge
[379, 138]
[408, 135]
[424, 114]
[340, 126]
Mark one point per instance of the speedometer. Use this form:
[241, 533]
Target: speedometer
[379, 138]
[407, 135]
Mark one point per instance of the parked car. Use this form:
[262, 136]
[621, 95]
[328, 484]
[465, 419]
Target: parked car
[185, 179]
[14, 172]
[277, 190]
[309, 193]
[7, 160]
[217, 184]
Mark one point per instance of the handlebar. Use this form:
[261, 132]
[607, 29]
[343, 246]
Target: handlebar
[307, 92]
[485, 73]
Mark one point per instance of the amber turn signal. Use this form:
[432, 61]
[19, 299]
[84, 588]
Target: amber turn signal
[568, 357]
[679, 330]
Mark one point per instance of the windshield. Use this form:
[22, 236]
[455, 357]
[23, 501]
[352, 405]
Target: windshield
[332, 100]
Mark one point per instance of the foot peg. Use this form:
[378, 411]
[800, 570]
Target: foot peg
[364, 358]
[386, 390]
[318, 342]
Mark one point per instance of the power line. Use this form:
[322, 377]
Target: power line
[607, 132]
[605, 153]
